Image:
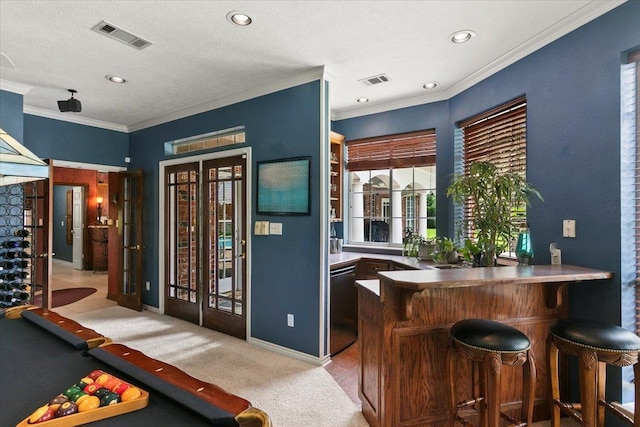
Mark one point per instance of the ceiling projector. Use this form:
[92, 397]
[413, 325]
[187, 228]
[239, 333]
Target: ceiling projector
[71, 104]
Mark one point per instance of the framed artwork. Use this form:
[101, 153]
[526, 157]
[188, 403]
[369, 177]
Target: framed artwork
[284, 186]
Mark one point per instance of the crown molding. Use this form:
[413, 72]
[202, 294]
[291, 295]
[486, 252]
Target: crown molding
[14, 87]
[313, 74]
[67, 117]
[561, 28]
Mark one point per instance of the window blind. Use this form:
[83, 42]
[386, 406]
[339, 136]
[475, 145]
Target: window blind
[630, 134]
[392, 151]
[498, 136]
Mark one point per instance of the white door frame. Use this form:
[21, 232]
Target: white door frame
[78, 206]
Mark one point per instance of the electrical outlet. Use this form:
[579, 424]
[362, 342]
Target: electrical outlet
[290, 320]
[147, 285]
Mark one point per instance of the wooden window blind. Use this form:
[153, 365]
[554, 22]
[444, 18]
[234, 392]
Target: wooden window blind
[392, 151]
[498, 136]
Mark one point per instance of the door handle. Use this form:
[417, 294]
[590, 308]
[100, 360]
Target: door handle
[242, 255]
[133, 248]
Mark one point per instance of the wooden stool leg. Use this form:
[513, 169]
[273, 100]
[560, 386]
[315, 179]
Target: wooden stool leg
[554, 373]
[451, 374]
[492, 372]
[528, 388]
[602, 381]
[588, 366]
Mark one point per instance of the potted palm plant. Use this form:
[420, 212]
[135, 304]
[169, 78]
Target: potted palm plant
[496, 199]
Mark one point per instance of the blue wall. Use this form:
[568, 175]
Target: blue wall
[55, 139]
[285, 269]
[11, 117]
[573, 148]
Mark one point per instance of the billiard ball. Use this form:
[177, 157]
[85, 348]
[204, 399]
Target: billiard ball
[131, 393]
[43, 413]
[95, 374]
[67, 408]
[91, 402]
[59, 400]
[110, 398]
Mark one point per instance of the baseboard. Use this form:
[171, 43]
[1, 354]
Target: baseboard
[151, 308]
[62, 262]
[318, 361]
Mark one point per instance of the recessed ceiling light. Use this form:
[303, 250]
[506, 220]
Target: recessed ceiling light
[239, 18]
[362, 100]
[462, 36]
[115, 79]
[430, 85]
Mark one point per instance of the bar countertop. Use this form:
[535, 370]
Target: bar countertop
[419, 280]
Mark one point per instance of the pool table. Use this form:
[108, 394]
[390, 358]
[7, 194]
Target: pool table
[42, 354]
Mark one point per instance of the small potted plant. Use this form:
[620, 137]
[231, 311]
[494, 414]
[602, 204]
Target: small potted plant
[416, 246]
[445, 251]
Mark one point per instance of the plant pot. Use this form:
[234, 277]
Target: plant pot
[425, 252]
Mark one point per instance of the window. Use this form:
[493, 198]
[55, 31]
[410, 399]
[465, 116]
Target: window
[498, 136]
[630, 186]
[391, 187]
[207, 141]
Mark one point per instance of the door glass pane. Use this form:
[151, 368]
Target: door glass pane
[182, 272]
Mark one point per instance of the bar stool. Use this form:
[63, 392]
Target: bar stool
[596, 344]
[490, 345]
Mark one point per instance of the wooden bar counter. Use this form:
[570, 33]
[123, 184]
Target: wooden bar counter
[403, 325]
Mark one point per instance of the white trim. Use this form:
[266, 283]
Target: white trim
[244, 151]
[589, 12]
[325, 184]
[302, 78]
[314, 360]
[14, 87]
[87, 166]
[151, 309]
[72, 118]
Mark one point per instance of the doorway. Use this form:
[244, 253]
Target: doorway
[205, 223]
[69, 224]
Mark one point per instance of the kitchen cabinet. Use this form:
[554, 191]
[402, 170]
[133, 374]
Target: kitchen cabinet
[336, 182]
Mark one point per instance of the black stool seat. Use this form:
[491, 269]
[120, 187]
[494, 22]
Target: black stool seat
[489, 335]
[596, 335]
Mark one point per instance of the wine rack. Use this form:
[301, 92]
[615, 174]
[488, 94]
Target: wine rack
[17, 212]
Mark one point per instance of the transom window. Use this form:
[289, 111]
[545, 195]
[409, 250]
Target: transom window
[206, 141]
[392, 185]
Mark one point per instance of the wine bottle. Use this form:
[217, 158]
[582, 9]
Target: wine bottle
[21, 295]
[21, 264]
[7, 265]
[22, 275]
[22, 233]
[10, 244]
[7, 276]
[9, 255]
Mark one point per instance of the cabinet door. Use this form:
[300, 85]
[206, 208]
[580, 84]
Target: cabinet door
[371, 268]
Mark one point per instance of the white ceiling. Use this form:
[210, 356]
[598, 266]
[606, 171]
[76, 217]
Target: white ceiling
[199, 60]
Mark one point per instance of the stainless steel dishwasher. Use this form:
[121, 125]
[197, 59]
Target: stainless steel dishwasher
[343, 318]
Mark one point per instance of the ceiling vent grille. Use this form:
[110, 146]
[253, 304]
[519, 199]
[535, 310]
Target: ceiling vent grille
[374, 80]
[121, 35]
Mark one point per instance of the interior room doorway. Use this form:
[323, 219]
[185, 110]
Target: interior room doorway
[205, 223]
[69, 220]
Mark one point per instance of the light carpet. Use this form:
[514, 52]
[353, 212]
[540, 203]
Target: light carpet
[294, 393]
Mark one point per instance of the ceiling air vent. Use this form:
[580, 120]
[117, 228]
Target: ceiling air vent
[374, 80]
[121, 35]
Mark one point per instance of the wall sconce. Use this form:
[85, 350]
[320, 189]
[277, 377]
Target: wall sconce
[99, 199]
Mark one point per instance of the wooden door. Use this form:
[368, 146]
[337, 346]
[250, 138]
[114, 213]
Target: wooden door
[182, 259]
[130, 240]
[38, 221]
[224, 245]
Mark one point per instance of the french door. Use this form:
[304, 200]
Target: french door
[130, 240]
[205, 254]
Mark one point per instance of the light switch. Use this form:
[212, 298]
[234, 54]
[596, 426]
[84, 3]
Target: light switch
[569, 228]
[275, 228]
